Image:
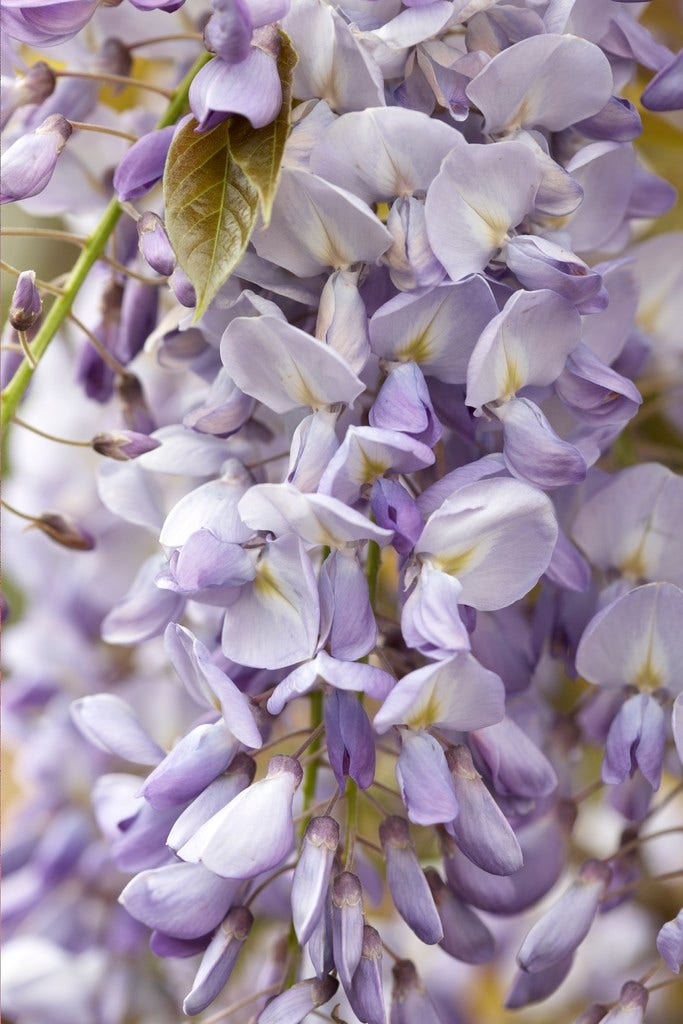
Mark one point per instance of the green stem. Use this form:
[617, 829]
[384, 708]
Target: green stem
[351, 823]
[92, 251]
[311, 770]
[372, 570]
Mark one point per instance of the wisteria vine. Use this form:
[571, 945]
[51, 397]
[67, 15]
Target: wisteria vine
[359, 638]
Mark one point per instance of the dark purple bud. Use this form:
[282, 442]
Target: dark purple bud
[350, 740]
[407, 884]
[93, 374]
[631, 1006]
[564, 927]
[410, 1003]
[137, 319]
[123, 445]
[367, 992]
[219, 960]
[618, 121]
[347, 925]
[154, 244]
[465, 936]
[134, 406]
[143, 164]
[114, 58]
[29, 163]
[312, 875]
[481, 830]
[297, 1002]
[395, 509]
[25, 307]
[65, 531]
[543, 845]
[183, 289]
[533, 988]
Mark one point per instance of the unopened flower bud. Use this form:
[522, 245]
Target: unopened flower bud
[347, 925]
[631, 1006]
[65, 531]
[407, 883]
[465, 936]
[367, 993]
[26, 305]
[143, 164]
[312, 874]
[114, 58]
[123, 445]
[34, 87]
[409, 1000]
[133, 404]
[481, 830]
[564, 927]
[183, 289]
[29, 163]
[298, 1001]
[528, 988]
[154, 244]
[219, 960]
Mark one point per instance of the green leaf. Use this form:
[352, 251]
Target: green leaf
[211, 208]
[259, 151]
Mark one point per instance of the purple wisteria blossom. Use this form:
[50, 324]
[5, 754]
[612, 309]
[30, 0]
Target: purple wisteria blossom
[343, 498]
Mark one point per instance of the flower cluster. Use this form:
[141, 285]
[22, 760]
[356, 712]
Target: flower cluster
[361, 635]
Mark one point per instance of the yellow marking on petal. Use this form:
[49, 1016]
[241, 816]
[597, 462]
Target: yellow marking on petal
[647, 316]
[371, 469]
[426, 714]
[647, 677]
[417, 350]
[633, 567]
[305, 396]
[513, 378]
[266, 585]
[453, 564]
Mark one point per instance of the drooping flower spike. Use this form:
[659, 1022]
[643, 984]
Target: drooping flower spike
[368, 638]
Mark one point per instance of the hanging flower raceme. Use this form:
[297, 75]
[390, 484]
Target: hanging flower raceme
[361, 303]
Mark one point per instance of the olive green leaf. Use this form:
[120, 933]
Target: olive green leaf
[211, 207]
[258, 151]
